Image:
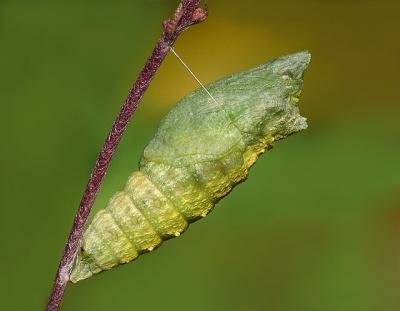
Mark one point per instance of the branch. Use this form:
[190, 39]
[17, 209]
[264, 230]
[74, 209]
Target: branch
[188, 13]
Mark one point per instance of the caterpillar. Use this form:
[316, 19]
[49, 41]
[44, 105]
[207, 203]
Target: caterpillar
[201, 150]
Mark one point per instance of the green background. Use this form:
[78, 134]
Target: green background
[317, 225]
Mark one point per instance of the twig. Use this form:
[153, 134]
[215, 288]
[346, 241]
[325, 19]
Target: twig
[188, 13]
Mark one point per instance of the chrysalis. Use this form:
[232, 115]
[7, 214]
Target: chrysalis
[202, 149]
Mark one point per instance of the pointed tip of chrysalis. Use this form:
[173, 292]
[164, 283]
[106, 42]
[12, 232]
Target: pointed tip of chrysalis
[302, 60]
[81, 270]
[79, 275]
[304, 56]
[289, 75]
[293, 64]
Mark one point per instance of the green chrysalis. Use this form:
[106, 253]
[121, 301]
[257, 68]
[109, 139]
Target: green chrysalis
[202, 149]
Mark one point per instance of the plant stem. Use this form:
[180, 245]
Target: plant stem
[187, 14]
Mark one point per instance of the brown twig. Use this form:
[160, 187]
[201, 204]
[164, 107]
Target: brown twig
[188, 13]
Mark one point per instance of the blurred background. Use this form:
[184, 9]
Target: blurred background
[316, 227]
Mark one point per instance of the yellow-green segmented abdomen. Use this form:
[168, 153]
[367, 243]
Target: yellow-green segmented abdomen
[141, 216]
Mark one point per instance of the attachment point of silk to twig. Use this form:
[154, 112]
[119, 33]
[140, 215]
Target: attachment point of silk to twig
[193, 75]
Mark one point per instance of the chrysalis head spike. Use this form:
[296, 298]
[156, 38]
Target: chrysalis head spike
[263, 102]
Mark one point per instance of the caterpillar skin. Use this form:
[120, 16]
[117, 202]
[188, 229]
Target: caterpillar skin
[200, 152]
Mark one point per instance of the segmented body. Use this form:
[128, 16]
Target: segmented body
[200, 152]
